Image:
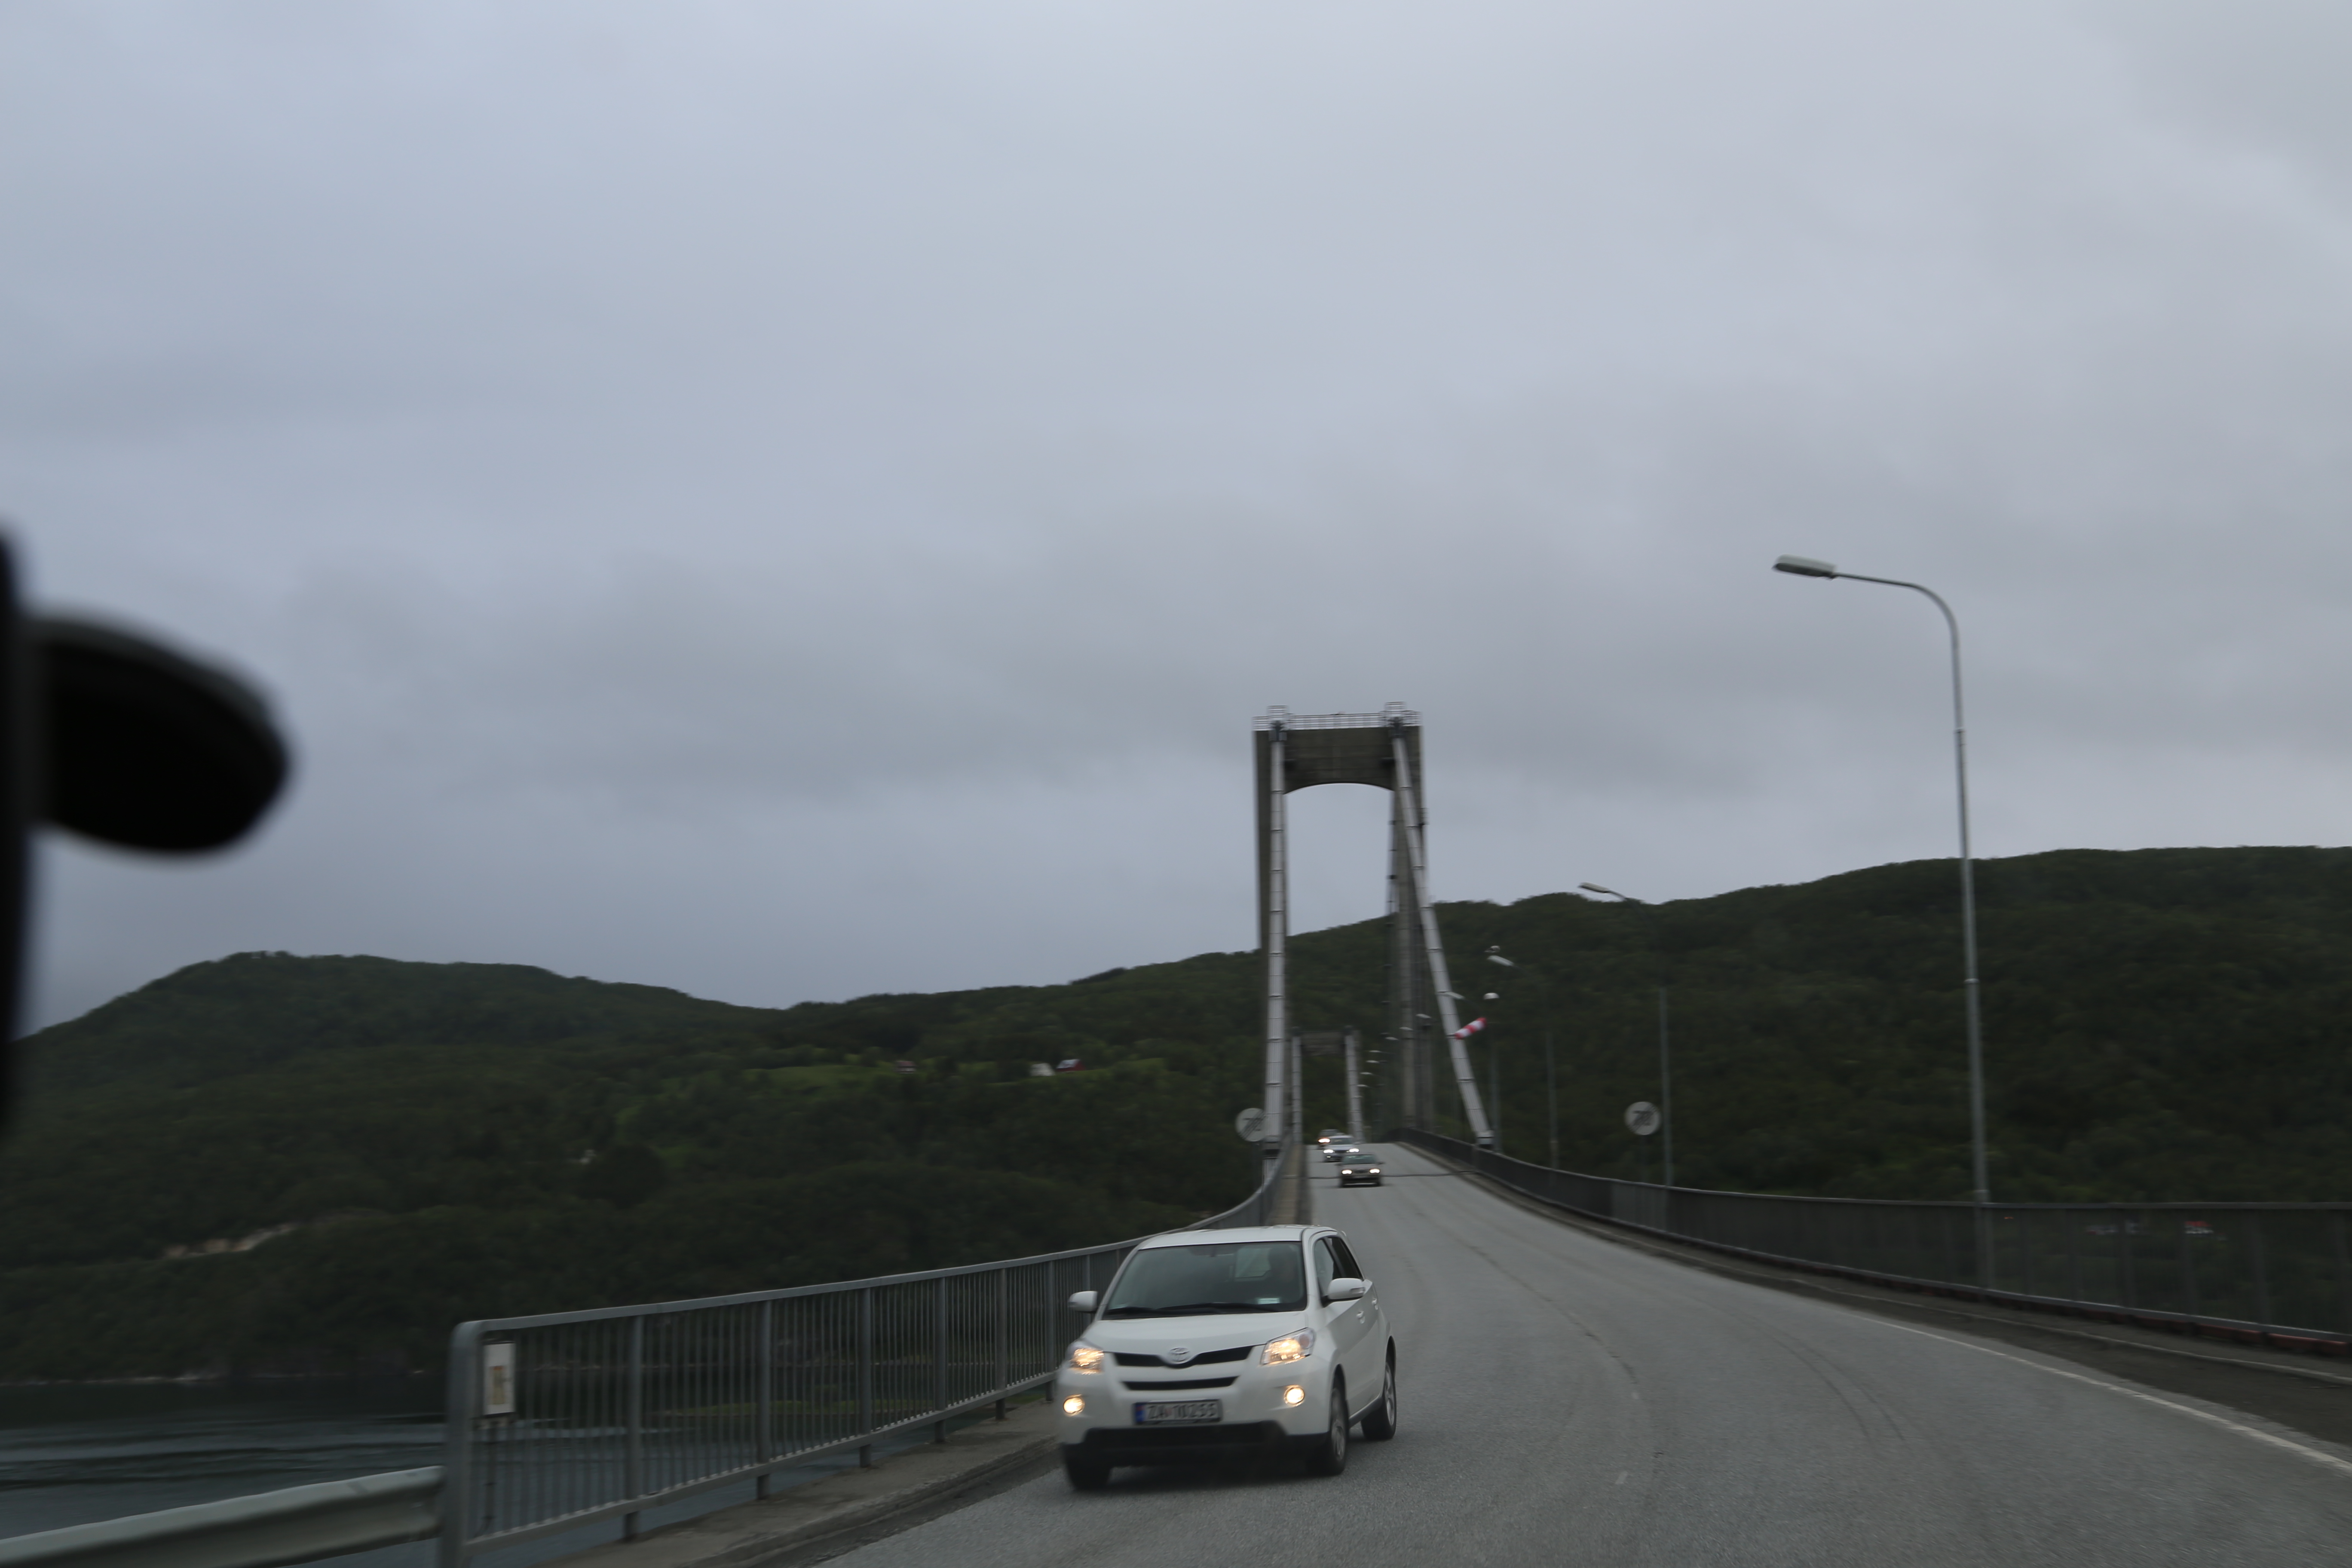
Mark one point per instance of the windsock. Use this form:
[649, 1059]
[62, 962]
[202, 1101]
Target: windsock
[1470, 1028]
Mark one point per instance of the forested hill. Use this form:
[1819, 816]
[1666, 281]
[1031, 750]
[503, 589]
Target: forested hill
[251, 1012]
[454, 1141]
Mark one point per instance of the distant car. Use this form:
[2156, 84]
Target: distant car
[1338, 1149]
[1328, 1136]
[1360, 1168]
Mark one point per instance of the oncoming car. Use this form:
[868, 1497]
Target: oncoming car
[1360, 1168]
[1224, 1343]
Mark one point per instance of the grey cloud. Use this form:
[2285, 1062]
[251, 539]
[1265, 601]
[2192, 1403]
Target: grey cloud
[796, 503]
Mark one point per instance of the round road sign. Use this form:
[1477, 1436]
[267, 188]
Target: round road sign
[1643, 1118]
[1251, 1124]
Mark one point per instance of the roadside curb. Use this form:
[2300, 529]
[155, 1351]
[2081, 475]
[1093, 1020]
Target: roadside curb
[830, 1511]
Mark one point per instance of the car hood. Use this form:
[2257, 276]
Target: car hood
[1199, 1335]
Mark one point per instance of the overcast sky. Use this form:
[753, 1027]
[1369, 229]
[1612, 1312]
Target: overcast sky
[790, 501]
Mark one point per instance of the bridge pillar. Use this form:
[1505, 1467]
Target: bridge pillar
[1297, 752]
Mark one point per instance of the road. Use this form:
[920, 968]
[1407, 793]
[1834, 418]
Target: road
[1570, 1401]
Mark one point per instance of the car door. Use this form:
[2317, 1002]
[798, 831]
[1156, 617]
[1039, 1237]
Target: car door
[1372, 1338]
[1348, 1322]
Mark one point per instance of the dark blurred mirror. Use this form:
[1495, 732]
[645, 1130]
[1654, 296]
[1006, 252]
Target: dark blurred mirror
[121, 739]
[144, 748]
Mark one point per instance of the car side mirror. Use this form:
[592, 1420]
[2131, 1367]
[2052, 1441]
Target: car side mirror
[145, 747]
[1084, 1302]
[1344, 1290]
[120, 739]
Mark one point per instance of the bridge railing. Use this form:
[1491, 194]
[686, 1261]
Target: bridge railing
[2272, 1273]
[566, 1418]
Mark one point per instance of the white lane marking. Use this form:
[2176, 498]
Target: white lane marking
[1621, 1474]
[2329, 1461]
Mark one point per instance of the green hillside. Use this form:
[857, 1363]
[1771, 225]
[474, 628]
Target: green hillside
[454, 1141]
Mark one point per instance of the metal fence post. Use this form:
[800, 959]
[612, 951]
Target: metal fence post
[457, 1445]
[633, 1461]
[2124, 1256]
[2073, 1221]
[764, 1441]
[2187, 1273]
[1004, 1337]
[2262, 1270]
[2343, 1269]
[940, 1356]
[866, 1374]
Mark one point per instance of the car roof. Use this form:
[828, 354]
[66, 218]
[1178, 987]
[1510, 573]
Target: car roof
[1240, 1233]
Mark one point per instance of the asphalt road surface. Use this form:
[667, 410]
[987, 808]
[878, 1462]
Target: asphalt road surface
[1569, 1401]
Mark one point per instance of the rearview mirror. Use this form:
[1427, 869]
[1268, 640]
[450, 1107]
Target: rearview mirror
[1344, 1290]
[1084, 1302]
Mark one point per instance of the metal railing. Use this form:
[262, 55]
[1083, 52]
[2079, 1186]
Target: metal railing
[2271, 1273]
[566, 1418]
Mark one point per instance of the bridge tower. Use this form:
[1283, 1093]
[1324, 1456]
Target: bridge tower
[1300, 750]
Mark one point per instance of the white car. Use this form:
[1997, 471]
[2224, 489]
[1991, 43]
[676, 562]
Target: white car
[1212, 1344]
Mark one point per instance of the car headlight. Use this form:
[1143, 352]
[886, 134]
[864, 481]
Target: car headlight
[1290, 1347]
[1084, 1357]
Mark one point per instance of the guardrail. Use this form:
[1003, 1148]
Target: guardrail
[2260, 1273]
[567, 1418]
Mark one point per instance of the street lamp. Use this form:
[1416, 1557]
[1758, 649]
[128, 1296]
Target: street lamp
[1802, 566]
[1665, 1058]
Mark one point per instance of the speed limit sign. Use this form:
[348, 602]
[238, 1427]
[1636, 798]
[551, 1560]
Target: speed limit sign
[1643, 1118]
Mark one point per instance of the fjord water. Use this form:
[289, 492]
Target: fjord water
[71, 1454]
[77, 1453]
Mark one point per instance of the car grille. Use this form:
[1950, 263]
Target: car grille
[1206, 1358]
[1183, 1383]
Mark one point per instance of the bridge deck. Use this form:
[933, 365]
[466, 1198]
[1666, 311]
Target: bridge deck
[1570, 1401]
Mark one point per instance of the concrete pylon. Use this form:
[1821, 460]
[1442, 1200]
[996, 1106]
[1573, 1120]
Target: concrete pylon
[1297, 752]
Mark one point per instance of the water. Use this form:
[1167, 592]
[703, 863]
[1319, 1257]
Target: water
[78, 1454]
[71, 1455]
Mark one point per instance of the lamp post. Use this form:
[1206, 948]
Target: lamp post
[1551, 1079]
[1666, 1056]
[1801, 566]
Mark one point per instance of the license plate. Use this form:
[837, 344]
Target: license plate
[1181, 1412]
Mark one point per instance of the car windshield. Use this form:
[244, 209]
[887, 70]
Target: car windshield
[1358, 1157]
[1212, 1277]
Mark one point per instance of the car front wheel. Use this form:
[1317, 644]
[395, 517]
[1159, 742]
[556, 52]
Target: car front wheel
[1380, 1421]
[1329, 1456]
[1086, 1473]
